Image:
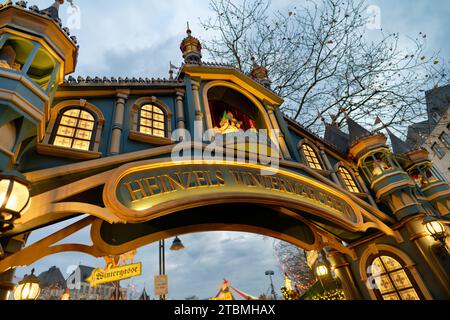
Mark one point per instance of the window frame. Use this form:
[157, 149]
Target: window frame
[152, 127]
[437, 145]
[446, 142]
[404, 267]
[136, 135]
[352, 175]
[57, 125]
[316, 152]
[46, 146]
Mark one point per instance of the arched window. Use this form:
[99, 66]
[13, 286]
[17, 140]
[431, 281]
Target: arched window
[348, 180]
[152, 121]
[311, 157]
[392, 280]
[75, 129]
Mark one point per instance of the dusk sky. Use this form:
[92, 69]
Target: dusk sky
[138, 38]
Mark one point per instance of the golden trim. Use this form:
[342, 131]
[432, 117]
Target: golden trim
[233, 75]
[26, 82]
[382, 192]
[44, 247]
[26, 107]
[52, 150]
[41, 175]
[435, 184]
[242, 197]
[146, 138]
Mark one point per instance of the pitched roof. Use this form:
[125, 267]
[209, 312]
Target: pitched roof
[418, 132]
[85, 272]
[52, 277]
[399, 146]
[356, 131]
[144, 295]
[336, 137]
[438, 102]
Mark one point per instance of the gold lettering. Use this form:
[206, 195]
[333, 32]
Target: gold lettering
[200, 179]
[163, 184]
[274, 181]
[208, 177]
[133, 192]
[152, 187]
[258, 180]
[188, 175]
[175, 183]
[220, 179]
[237, 177]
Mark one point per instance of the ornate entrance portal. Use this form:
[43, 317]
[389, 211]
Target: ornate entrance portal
[143, 159]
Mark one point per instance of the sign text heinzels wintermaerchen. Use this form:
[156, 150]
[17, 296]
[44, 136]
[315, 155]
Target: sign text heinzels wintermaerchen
[146, 188]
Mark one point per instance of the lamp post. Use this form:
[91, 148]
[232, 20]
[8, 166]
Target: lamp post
[270, 273]
[436, 229]
[322, 273]
[177, 245]
[28, 288]
[14, 198]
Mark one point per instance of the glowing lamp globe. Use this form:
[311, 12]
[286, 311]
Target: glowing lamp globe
[321, 271]
[14, 198]
[435, 228]
[28, 288]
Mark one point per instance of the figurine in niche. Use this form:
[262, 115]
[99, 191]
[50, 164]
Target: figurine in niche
[253, 126]
[8, 58]
[228, 124]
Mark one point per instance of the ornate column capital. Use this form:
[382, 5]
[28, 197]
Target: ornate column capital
[122, 94]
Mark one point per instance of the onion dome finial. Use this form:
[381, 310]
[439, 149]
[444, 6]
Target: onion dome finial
[191, 48]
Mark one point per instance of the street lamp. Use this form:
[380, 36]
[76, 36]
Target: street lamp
[177, 245]
[322, 271]
[270, 273]
[435, 229]
[28, 288]
[14, 198]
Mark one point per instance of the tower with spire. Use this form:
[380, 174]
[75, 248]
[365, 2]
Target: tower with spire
[191, 48]
[34, 63]
[386, 177]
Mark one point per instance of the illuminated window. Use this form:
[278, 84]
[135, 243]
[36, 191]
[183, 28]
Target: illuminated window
[348, 180]
[75, 130]
[311, 157]
[393, 281]
[152, 121]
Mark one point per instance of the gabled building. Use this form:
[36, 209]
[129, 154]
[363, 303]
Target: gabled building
[207, 149]
[434, 133]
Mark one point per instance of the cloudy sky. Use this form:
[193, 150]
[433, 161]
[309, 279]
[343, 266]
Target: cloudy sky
[139, 38]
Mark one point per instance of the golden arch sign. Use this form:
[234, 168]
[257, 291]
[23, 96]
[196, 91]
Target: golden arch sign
[141, 192]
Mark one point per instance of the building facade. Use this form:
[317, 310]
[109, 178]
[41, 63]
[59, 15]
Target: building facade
[434, 133]
[145, 159]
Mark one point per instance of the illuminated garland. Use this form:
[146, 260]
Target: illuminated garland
[336, 294]
[290, 295]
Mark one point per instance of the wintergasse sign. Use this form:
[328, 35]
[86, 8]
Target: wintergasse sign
[102, 276]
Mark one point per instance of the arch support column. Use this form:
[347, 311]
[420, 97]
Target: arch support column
[198, 111]
[118, 123]
[275, 126]
[344, 273]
